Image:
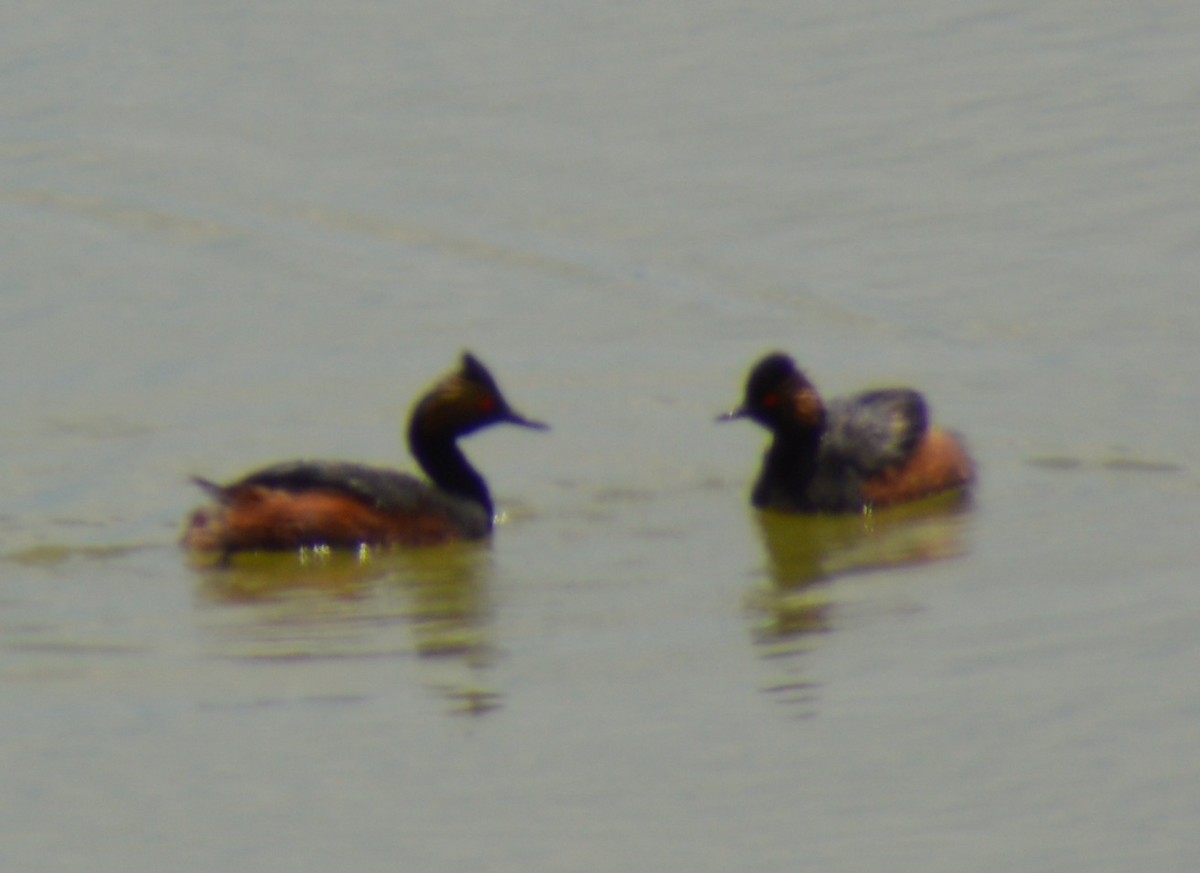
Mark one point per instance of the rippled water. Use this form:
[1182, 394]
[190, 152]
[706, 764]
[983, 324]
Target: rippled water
[236, 234]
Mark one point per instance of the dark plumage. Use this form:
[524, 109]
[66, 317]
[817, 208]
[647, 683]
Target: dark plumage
[871, 449]
[341, 504]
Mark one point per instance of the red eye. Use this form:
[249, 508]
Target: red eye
[770, 401]
[487, 405]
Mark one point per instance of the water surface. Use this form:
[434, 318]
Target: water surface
[237, 233]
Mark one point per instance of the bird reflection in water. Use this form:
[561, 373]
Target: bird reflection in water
[806, 553]
[329, 604]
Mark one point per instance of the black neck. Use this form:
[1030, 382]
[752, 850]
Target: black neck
[445, 464]
[788, 466]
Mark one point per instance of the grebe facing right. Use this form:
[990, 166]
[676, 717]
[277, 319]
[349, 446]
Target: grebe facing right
[340, 504]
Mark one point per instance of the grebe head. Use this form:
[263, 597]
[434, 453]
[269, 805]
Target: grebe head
[465, 401]
[779, 397]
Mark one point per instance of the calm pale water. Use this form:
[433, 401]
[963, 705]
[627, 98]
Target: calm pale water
[236, 233]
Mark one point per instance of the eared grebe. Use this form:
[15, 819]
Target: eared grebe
[345, 505]
[872, 449]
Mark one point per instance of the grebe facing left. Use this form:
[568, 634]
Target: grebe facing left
[873, 449]
[338, 504]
